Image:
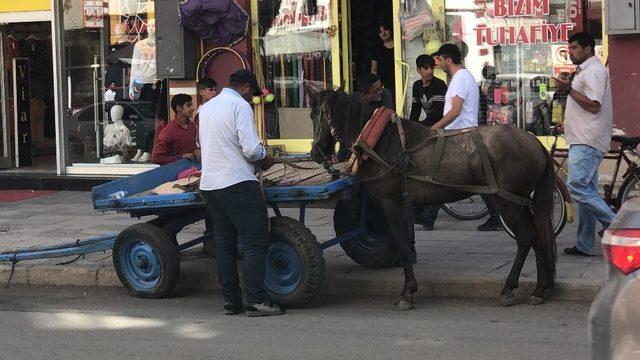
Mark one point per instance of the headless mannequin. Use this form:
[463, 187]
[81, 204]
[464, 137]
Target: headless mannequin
[143, 87]
[116, 137]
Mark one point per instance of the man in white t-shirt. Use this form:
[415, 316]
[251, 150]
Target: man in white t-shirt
[462, 98]
[461, 110]
[110, 94]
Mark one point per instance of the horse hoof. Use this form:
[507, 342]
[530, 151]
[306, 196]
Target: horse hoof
[534, 300]
[404, 305]
[507, 300]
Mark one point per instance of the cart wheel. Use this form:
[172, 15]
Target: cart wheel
[295, 266]
[146, 261]
[373, 249]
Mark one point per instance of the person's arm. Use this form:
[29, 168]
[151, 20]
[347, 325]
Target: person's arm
[595, 86]
[374, 67]
[252, 149]
[374, 61]
[456, 109]
[416, 106]
[591, 106]
[161, 153]
[438, 100]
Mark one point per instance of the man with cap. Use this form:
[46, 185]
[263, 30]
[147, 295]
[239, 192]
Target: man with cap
[372, 91]
[461, 103]
[231, 151]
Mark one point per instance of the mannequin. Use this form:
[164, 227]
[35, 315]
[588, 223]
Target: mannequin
[116, 137]
[144, 87]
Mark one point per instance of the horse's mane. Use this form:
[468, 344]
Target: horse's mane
[348, 113]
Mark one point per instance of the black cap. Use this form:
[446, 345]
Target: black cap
[246, 77]
[450, 50]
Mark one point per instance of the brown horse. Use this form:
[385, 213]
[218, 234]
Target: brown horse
[520, 165]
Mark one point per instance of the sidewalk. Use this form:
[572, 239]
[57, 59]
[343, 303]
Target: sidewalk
[453, 260]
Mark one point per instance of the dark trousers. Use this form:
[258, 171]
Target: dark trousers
[430, 212]
[240, 220]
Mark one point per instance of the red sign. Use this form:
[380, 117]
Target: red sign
[543, 32]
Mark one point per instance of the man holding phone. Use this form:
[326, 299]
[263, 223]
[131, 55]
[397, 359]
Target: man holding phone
[588, 124]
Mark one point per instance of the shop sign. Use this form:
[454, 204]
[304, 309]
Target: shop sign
[292, 17]
[574, 12]
[93, 13]
[529, 33]
[22, 111]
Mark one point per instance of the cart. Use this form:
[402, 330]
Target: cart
[146, 255]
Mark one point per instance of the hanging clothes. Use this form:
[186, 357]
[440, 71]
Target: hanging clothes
[221, 22]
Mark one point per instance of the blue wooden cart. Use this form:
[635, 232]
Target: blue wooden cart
[146, 255]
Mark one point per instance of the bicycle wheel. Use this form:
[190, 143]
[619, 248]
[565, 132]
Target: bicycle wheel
[558, 216]
[629, 189]
[471, 208]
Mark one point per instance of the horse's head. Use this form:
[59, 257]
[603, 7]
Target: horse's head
[324, 134]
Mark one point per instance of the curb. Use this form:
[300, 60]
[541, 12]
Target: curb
[200, 274]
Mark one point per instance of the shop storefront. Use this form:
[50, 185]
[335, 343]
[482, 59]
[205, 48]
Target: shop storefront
[27, 120]
[511, 47]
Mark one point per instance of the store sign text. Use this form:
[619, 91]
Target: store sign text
[522, 34]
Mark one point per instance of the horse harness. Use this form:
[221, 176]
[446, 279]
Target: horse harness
[366, 141]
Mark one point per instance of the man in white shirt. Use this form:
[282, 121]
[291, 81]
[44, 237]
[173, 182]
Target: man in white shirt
[231, 150]
[461, 104]
[588, 124]
[110, 94]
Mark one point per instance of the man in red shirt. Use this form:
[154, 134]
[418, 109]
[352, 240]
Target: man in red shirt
[178, 139]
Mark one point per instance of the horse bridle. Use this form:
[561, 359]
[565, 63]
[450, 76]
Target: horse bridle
[332, 130]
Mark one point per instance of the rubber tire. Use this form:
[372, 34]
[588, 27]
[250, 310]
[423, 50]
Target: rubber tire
[563, 220]
[163, 247]
[462, 216]
[299, 237]
[374, 249]
[626, 186]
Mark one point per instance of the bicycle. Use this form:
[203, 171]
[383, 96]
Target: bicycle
[471, 208]
[562, 209]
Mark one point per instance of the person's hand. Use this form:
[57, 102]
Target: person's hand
[265, 163]
[198, 154]
[563, 84]
[189, 156]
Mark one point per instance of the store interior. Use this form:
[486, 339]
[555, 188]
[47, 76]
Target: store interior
[31, 41]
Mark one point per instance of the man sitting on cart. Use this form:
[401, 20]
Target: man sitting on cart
[178, 139]
[231, 150]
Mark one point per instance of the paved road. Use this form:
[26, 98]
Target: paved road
[81, 323]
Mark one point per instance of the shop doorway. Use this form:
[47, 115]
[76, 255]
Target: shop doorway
[365, 18]
[27, 113]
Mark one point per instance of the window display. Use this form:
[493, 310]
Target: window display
[295, 48]
[118, 58]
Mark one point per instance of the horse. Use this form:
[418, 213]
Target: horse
[521, 167]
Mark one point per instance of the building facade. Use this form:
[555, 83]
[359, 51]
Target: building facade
[60, 56]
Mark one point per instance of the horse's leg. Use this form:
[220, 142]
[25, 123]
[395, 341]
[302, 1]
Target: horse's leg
[519, 220]
[544, 281]
[403, 233]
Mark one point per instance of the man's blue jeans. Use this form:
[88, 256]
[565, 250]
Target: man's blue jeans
[583, 163]
[240, 220]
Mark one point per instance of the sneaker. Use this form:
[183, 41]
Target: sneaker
[491, 225]
[574, 251]
[265, 309]
[427, 227]
[233, 308]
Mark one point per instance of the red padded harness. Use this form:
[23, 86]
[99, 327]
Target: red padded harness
[374, 127]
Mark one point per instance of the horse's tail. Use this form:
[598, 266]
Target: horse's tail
[543, 210]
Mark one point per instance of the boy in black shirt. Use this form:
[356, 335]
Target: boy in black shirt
[428, 95]
[428, 92]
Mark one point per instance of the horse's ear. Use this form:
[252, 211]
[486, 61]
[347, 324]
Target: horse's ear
[313, 88]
